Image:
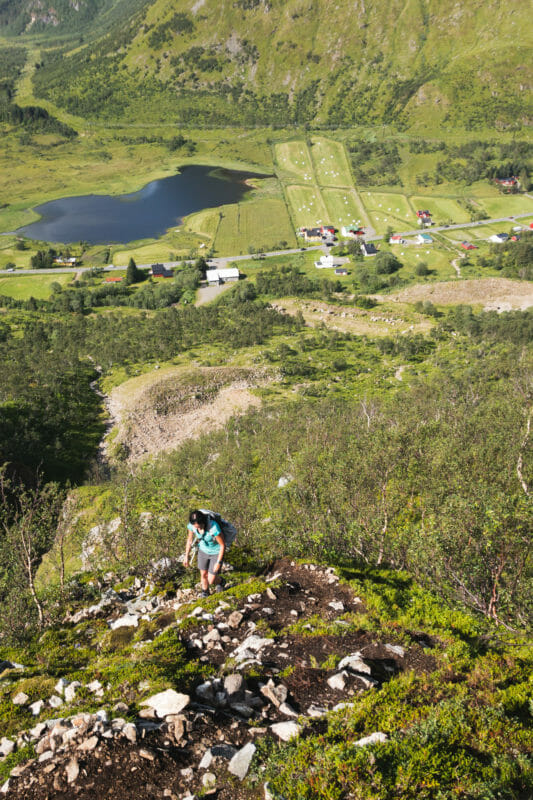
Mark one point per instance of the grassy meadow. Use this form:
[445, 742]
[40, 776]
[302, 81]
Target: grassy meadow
[22, 287]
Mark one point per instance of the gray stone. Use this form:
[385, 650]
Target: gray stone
[36, 707]
[88, 744]
[205, 692]
[168, 702]
[147, 754]
[20, 699]
[336, 605]
[338, 681]
[61, 685]
[395, 649]
[226, 751]
[206, 760]
[276, 694]
[6, 746]
[316, 711]
[72, 770]
[240, 763]
[234, 685]
[46, 756]
[235, 619]
[55, 701]
[286, 730]
[127, 621]
[243, 709]
[212, 636]
[130, 732]
[94, 686]
[355, 663]
[374, 738]
[70, 691]
[209, 781]
[288, 710]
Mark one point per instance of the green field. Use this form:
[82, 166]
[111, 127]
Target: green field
[507, 205]
[443, 209]
[294, 158]
[22, 287]
[389, 210]
[255, 223]
[344, 207]
[330, 162]
[307, 204]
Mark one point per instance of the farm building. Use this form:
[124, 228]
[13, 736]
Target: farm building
[113, 280]
[424, 217]
[160, 271]
[468, 246]
[325, 262]
[217, 276]
[341, 271]
[352, 231]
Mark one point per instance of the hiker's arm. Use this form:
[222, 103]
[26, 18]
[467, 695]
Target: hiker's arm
[222, 543]
[188, 546]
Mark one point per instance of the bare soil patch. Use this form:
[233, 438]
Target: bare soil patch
[161, 411]
[493, 294]
[349, 319]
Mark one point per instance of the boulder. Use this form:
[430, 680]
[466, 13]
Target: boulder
[127, 621]
[338, 681]
[168, 702]
[355, 663]
[240, 763]
[20, 699]
[286, 730]
[374, 738]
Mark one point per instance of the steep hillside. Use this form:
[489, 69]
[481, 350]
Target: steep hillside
[250, 62]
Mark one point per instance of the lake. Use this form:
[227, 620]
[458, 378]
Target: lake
[146, 214]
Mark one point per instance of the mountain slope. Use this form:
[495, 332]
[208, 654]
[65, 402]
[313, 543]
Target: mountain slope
[305, 61]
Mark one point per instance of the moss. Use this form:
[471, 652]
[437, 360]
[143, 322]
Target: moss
[19, 757]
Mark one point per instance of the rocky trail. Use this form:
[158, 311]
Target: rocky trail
[276, 662]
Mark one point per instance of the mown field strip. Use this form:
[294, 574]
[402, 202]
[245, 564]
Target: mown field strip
[308, 206]
[38, 286]
[344, 207]
[507, 204]
[294, 158]
[330, 163]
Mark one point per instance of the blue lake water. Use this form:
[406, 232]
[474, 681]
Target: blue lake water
[161, 204]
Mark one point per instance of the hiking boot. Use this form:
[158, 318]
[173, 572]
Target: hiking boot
[220, 586]
[204, 593]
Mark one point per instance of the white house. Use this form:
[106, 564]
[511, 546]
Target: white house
[424, 238]
[216, 276]
[499, 238]
[326, 262]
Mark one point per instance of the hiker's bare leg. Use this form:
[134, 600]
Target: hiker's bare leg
[204, 580]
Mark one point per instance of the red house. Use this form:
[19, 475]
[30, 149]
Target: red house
[468, 246]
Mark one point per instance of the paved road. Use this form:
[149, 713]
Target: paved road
[222, 261]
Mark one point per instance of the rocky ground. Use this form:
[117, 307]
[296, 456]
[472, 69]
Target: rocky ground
[279, 661]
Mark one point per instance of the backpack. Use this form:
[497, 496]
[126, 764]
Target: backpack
[229, 531]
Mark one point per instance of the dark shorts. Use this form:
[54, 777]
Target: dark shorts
[207, 562]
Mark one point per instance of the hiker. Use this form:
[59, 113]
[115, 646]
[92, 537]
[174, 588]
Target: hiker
[206, 533]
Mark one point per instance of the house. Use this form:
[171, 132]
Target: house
[215, 277]
[515, 238]
[341, 271]
[312, 234]
[424, 217]
[424, 238]
[160, 271]
[63, 261]
[511, 182]
[351, 231]
[396, 239]
[468, 246]
[499, 238]
[327, 230]
[325, 262]
[113, 280]
[368, 249]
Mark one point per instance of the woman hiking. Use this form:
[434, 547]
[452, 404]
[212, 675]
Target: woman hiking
[206, 533]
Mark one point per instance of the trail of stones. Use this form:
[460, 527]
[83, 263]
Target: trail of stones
[277, 675]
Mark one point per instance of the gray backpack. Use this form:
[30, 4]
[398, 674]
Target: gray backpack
[229, 531]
